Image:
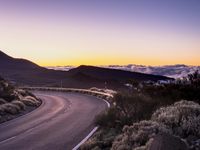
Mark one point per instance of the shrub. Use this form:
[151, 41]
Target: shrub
[30, 101]
[2, 101]
[133, 107]
[101, 140]
[7, 91]
[183, 118]
[2, 110]
[9, 108]
[107, 119]
[167, 94]
[137, 135]
[20, 104]
[22, 92]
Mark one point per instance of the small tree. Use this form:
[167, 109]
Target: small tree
[194, 78]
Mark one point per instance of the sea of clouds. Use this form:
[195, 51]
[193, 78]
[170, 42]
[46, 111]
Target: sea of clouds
[174, 71]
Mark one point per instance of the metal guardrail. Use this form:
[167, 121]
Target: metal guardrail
[98, 94]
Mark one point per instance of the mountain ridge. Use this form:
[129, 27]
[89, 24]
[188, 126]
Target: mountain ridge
[26, 73]
[172, 71]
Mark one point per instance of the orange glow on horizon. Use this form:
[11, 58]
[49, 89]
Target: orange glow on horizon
[117, 61]
[61, 33]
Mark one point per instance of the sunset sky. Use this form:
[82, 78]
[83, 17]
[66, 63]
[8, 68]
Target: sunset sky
[101, 32]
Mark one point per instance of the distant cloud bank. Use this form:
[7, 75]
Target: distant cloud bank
[63, 68]
[174, 71]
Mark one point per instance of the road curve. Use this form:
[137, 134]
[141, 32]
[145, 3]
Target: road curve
[60, 123]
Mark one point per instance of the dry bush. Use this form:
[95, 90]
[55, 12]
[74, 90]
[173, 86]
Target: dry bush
[101, 140]
[137, 135]
[13, 100]
[20, 104]
[30, 101]
[2, 110]
[9, 108]
[2, 101]
[181, 119]
[22, 92]
[90, 144]
[107, 119]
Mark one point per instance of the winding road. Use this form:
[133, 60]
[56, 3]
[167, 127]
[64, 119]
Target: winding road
[60, 123]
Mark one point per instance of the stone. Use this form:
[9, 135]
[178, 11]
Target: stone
[167, 142]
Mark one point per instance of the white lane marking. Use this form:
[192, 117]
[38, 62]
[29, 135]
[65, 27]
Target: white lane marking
[77, 146]
[86, 138]
[91, 133]
[7, 139]
[106, 102]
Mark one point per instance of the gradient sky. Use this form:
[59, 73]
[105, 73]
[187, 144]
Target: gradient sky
[101, 32]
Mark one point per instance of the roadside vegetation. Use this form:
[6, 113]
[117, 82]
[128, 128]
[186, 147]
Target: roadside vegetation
[14, 101]
[144, 111]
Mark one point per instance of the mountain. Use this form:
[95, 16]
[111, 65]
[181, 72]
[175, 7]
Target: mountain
[24, 72]
[172, 71]
[107, 74]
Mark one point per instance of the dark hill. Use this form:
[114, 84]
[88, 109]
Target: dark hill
[114, 74]
[8, 62]
[24, 72]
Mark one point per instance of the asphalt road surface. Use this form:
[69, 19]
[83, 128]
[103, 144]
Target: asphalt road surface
[60, 123]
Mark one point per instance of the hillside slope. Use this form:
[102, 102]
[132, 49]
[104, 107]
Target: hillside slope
[24, 72]
[114, 74]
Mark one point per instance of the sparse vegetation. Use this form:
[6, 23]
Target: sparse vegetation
[125, 107]
[13, 101]
[181, 119]
[139, 114]
[20, 104]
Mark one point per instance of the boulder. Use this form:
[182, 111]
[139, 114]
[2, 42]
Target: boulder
[167, 142]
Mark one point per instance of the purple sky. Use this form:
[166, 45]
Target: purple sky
[117, 24]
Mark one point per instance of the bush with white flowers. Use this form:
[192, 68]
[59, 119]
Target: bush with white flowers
[137, 135]
[181, 119]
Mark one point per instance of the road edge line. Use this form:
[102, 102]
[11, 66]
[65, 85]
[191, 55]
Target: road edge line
[91, 132]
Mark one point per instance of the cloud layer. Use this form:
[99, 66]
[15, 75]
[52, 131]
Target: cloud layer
[174, 71]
